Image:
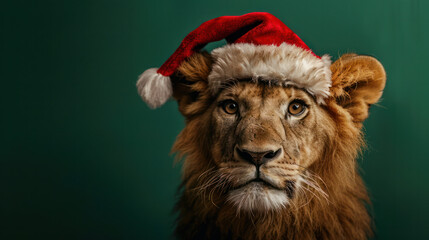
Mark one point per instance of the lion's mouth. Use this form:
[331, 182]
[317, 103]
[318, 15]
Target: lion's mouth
[289, 189]
[260, 181]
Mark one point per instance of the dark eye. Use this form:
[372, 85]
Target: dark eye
[230, 106]
[296, 107]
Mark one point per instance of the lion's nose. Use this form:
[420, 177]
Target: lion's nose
[257, 158]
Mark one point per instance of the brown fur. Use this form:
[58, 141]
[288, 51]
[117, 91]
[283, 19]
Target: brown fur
[333, 129]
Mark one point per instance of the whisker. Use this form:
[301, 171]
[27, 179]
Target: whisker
[312, 183]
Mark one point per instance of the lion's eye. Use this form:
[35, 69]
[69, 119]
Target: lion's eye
[230, 106]
[296, 108]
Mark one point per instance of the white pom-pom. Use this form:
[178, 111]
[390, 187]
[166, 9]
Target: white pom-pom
[154, 88]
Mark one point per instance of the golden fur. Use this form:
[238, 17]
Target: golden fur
[320, 148]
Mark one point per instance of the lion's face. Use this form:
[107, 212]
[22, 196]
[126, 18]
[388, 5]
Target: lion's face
[256, 147]
[264, 139]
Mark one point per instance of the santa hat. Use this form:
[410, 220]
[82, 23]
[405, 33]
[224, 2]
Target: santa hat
[260, 47]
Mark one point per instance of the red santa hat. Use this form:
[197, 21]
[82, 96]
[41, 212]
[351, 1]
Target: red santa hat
[260, 47]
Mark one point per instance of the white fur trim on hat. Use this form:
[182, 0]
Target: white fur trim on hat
[154, 88]
[286, 65]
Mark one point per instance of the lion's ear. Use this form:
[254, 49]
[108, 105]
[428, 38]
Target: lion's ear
[357, 82]
[190, 84]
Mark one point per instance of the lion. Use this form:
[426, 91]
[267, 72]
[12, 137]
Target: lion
[267, 162]
[272, 133]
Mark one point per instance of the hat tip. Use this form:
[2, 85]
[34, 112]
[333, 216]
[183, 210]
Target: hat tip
[154, 88]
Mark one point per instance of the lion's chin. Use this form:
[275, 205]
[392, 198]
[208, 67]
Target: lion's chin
[256, 196]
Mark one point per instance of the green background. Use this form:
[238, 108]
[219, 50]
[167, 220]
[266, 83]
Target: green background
[82, 157]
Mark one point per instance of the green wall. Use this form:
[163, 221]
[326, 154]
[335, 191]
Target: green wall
[82, 157]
